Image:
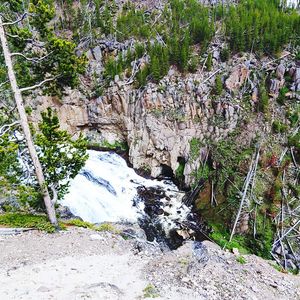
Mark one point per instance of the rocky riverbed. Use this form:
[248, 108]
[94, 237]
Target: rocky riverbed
[83, 264]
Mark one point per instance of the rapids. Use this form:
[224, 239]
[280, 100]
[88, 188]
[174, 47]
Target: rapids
[107, 190]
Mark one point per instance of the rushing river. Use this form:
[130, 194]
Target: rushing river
[106, 189]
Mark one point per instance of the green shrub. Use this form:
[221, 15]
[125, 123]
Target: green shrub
[241, 260]
[179, 171]
[150, 291]
[218, 85]
[281, 97]
[193, 64]
[194, 148]
[293, 116]
[224, 54]
[27, 221]
[263, 105]
[209, 62]
[221, 237]
[294, 141]
[278, 127]
[106, 227]
[79, 223]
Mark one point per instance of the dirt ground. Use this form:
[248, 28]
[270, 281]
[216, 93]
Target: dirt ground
[83, 264]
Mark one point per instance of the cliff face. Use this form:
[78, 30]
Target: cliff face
[160, 121]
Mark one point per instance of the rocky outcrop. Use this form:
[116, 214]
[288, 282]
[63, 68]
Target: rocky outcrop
[159, 121]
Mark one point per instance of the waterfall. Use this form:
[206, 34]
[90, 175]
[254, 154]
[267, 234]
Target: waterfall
[106, 189]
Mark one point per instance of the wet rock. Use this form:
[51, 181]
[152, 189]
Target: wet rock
[65, 213]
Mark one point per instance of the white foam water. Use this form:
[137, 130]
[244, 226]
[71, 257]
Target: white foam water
[105, 189]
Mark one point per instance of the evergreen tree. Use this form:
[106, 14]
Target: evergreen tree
[155, 69]
[218, 85]
[61, 156]
[209, 62]
[263, 105]
[56, 58]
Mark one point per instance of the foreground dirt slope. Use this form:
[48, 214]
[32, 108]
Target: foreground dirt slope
[82, 264]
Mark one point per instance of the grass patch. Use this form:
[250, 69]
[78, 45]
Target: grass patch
[222, 239]
[79, 223]
[102, 227]
[27, 221]
[241, 260]
[150, 291]
[106, 227]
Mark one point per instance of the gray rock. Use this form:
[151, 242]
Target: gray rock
[280, 71]
[97, 53]
[96, 236]
[216, 55]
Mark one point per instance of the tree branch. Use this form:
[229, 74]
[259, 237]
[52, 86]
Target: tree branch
[4, 83]
[7, 127]
[33, 59]
[32, 41]
[16, 21]
[37, 85]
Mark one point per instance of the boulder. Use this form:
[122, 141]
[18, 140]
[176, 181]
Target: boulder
[237, 78]
[280, 71]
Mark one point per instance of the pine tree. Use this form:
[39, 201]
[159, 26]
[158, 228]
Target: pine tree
[155, 68]
[209, 62]
[218, 85]
[61, 156]
[57, 59]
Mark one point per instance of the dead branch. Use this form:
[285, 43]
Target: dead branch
[32, 59]
[5, 128]
[16, 21]
[281, 57]
[287, 232]
[37, 85]
[248, 181]
[214, 73]
[293, 157]
[4, 83]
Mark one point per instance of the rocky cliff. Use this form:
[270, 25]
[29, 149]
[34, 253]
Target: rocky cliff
[159, 122]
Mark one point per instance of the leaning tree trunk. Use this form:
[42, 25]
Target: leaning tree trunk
[25, 126]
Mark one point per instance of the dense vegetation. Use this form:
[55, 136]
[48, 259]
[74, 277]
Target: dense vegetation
[38, 58]
[180, 33]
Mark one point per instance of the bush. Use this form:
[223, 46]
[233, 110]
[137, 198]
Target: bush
[263, 105]
[218, 85]
[241, 260]
[27, 221]
[278, 127]
[209, 62]
[79, 223]
[224, 55]
[281, 97]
